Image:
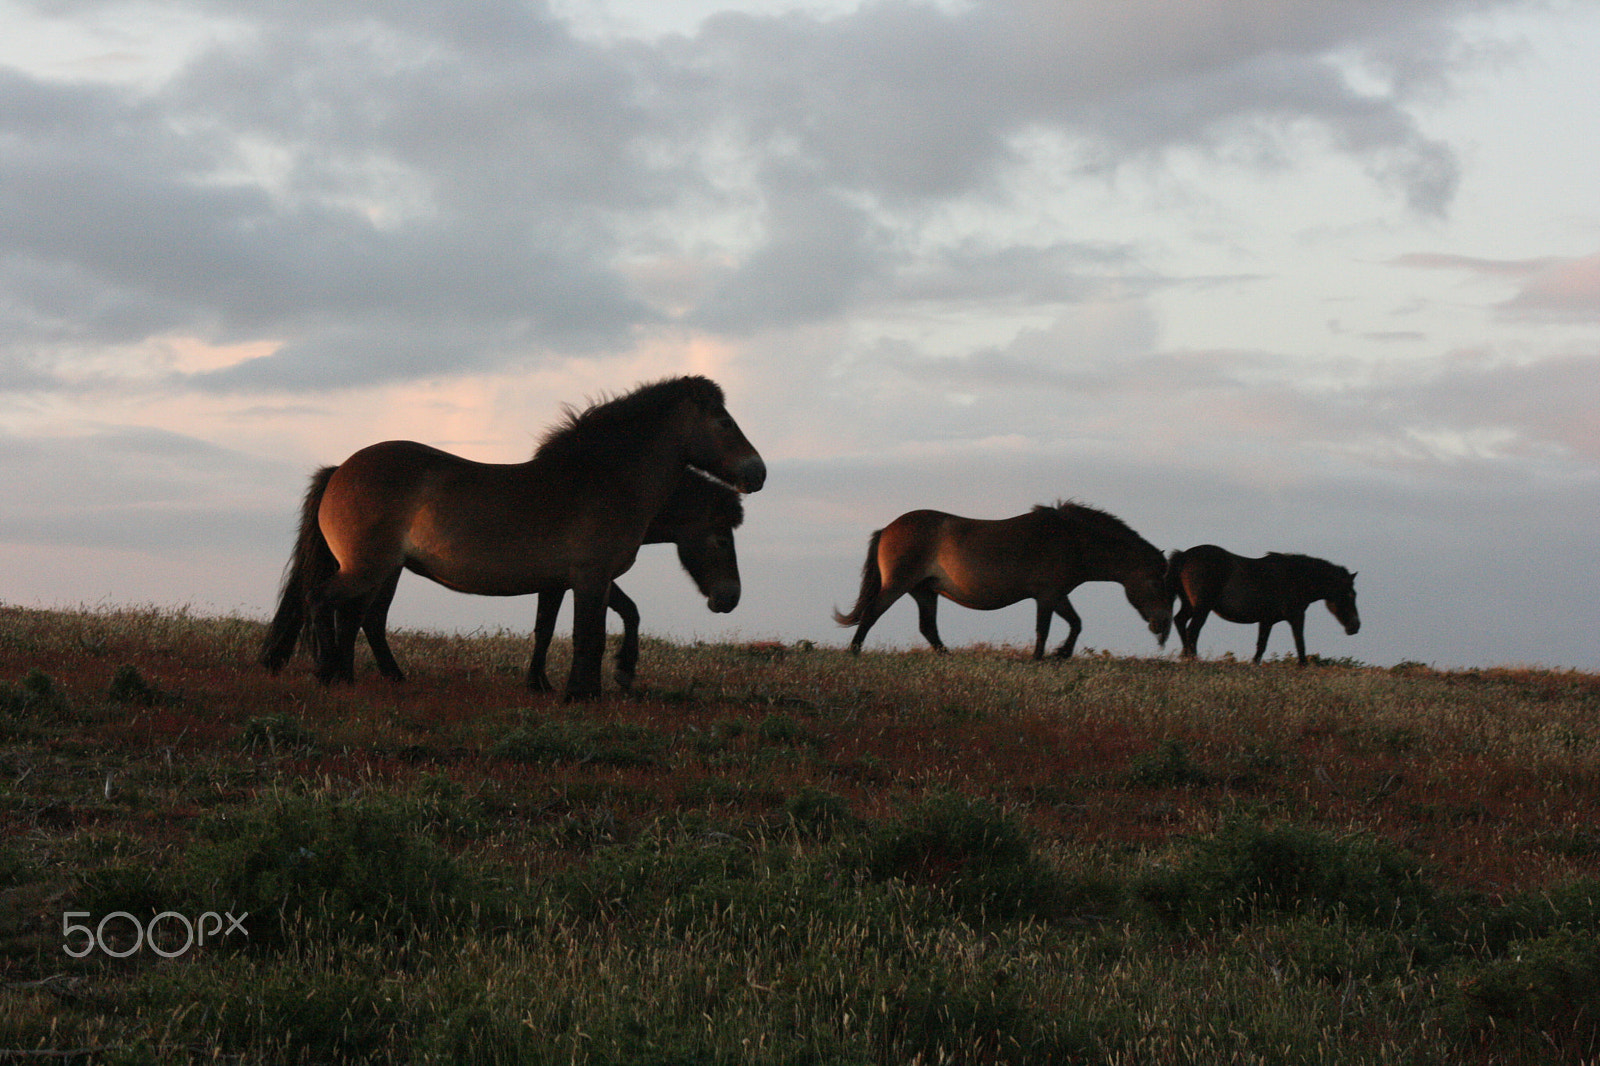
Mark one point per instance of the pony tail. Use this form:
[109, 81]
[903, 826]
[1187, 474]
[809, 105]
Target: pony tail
[871, 585]
[1174, 572]
[310, 564]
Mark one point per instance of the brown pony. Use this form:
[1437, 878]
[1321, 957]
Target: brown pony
[699, 518]
[1042, 555]
[573, 516]
[1265, 591]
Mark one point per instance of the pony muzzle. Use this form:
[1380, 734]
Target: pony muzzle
[723, 598]
[750, 474]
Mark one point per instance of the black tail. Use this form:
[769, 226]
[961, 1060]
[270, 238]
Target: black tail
[871, 585]
[1174, 573]
[311, 564]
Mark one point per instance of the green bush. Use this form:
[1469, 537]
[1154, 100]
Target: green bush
[36, 696]
[640, 879]
[818, 813]
[970, 849]
[360, 869]
[1169, 766]
[1544, 993]
[129, 688]
[1246, 869]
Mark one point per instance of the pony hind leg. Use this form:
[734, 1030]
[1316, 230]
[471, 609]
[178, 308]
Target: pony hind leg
[1074, 626]
[375, 624]
[338, 615]
[1189, 620]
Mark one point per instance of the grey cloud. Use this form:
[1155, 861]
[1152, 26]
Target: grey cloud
[817, 254]
[331, 177]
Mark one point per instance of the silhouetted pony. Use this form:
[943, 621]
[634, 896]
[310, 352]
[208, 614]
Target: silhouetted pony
[1265, 591]
[699, 518]
[572, 517]
[988, 564]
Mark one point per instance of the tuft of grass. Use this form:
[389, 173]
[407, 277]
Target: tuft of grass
[612, 744]
[1169, 766]
[275, 733]
[129, 688]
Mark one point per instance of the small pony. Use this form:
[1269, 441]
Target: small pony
[988, 564]
[1265, 591]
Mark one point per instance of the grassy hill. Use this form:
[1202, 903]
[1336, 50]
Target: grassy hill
[783, 854]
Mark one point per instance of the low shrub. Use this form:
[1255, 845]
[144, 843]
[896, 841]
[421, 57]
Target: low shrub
[1544, 993]
[1169, 766]
[129, 688]
[361, 869]
[1246, 869]
[982, 857]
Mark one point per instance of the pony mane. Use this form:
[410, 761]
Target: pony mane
[614, 427]
[1100, 523]
[1308, 562]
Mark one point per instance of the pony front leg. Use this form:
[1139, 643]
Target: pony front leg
[588, 642]
[628, 654]
[1262, 633]
[1041, 629]
[1297, 626]
[544, 630]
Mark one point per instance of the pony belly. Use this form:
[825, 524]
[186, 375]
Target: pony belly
[975, 599]
[480, 576]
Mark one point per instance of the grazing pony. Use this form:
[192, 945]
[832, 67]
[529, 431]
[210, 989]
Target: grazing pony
[1264, 591]
[699, 518]
[1042, 555]
[572, 517]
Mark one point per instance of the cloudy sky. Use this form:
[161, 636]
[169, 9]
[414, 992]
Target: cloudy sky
[1303, 275]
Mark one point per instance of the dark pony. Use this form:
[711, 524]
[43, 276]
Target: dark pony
[1276, 588]
[572, 517]
[699, 518]
[1042, 555]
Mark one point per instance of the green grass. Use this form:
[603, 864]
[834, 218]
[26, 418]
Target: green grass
[790, 855]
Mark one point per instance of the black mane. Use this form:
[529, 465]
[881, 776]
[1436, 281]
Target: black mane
[1100, 523]
[1308, 563]
[616, 427]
